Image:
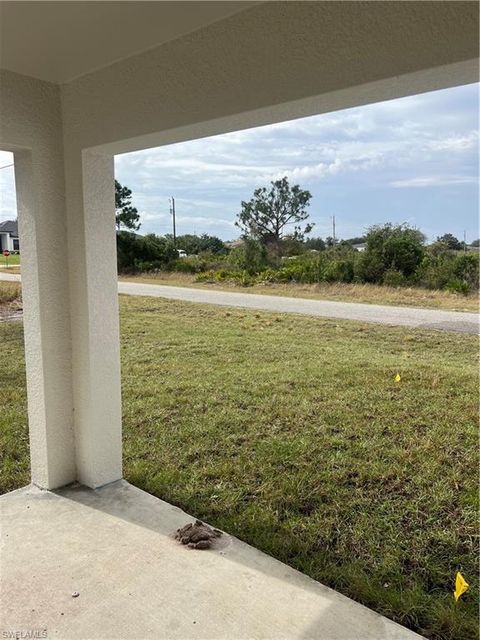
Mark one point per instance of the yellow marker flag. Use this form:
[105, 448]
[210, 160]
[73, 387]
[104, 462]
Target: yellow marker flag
[461, 585]
[397, 378]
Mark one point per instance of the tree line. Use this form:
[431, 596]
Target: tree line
[274, 224]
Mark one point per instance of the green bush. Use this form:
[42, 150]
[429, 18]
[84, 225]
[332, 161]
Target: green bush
[466, 268]
[207, 276]
[435, 271]
[340, 270]
[310, 268]
[251, 257]
[148, 253]
[390, 247]
[191, 264]
[369, 267]
[445, 269]
[267, 276]
[242, 278]
[394, 278]
[458, 286]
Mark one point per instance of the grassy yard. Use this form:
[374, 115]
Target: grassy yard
[291, 433]
[13, 259]
[365, 293]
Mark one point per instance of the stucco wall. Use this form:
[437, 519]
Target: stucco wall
[30, 125]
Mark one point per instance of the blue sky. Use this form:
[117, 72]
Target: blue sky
[409, 160]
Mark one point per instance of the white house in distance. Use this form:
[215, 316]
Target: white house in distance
[9, 236]
[360, 246]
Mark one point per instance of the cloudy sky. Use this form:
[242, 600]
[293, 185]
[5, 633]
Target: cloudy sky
[410, 160]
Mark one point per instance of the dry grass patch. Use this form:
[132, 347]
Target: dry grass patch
[10, 298]
[15, 269]
[363, 293]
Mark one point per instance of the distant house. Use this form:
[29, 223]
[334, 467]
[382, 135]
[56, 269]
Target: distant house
[360, 246]
[9, 236]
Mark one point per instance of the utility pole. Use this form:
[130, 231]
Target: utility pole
[465, 241]
[333, 226]
[172, 213]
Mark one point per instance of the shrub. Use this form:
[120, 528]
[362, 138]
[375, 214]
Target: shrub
[267, 276]
[339, 271]
[309, 268]
[189, 265]
[403, 253]
[396, 247]
[434, 271]
[245, 279]
[251, 256]
[442, 269]
[207, 276]
[466, 267]
[458, 286]
[394, 278]
[146, 253]
[369, 267]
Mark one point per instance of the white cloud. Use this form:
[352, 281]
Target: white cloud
[432, 137]
[366, 164]
[456, 143]
[434, 181]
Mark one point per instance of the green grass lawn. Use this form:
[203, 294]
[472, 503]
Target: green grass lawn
[13, 259]
[291, 433]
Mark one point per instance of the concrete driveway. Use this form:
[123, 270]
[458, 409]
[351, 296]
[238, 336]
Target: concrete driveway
[461, 322]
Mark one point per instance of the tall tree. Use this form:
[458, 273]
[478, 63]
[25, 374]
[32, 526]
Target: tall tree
[268, 214]
[126, 216]
[450, 241]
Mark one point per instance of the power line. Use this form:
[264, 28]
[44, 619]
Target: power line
[5, 166]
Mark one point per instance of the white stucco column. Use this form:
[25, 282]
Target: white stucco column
[41, 216]
[66, 215]
[89, 177]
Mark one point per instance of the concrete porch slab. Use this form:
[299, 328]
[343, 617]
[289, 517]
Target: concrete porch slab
[114, 547]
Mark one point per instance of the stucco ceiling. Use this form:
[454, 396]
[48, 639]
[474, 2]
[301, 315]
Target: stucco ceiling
[59, 41]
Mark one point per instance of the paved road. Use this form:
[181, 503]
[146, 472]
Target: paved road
[395, 316]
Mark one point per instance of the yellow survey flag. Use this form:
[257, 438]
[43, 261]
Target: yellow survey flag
[461, 585]
[397, 378]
